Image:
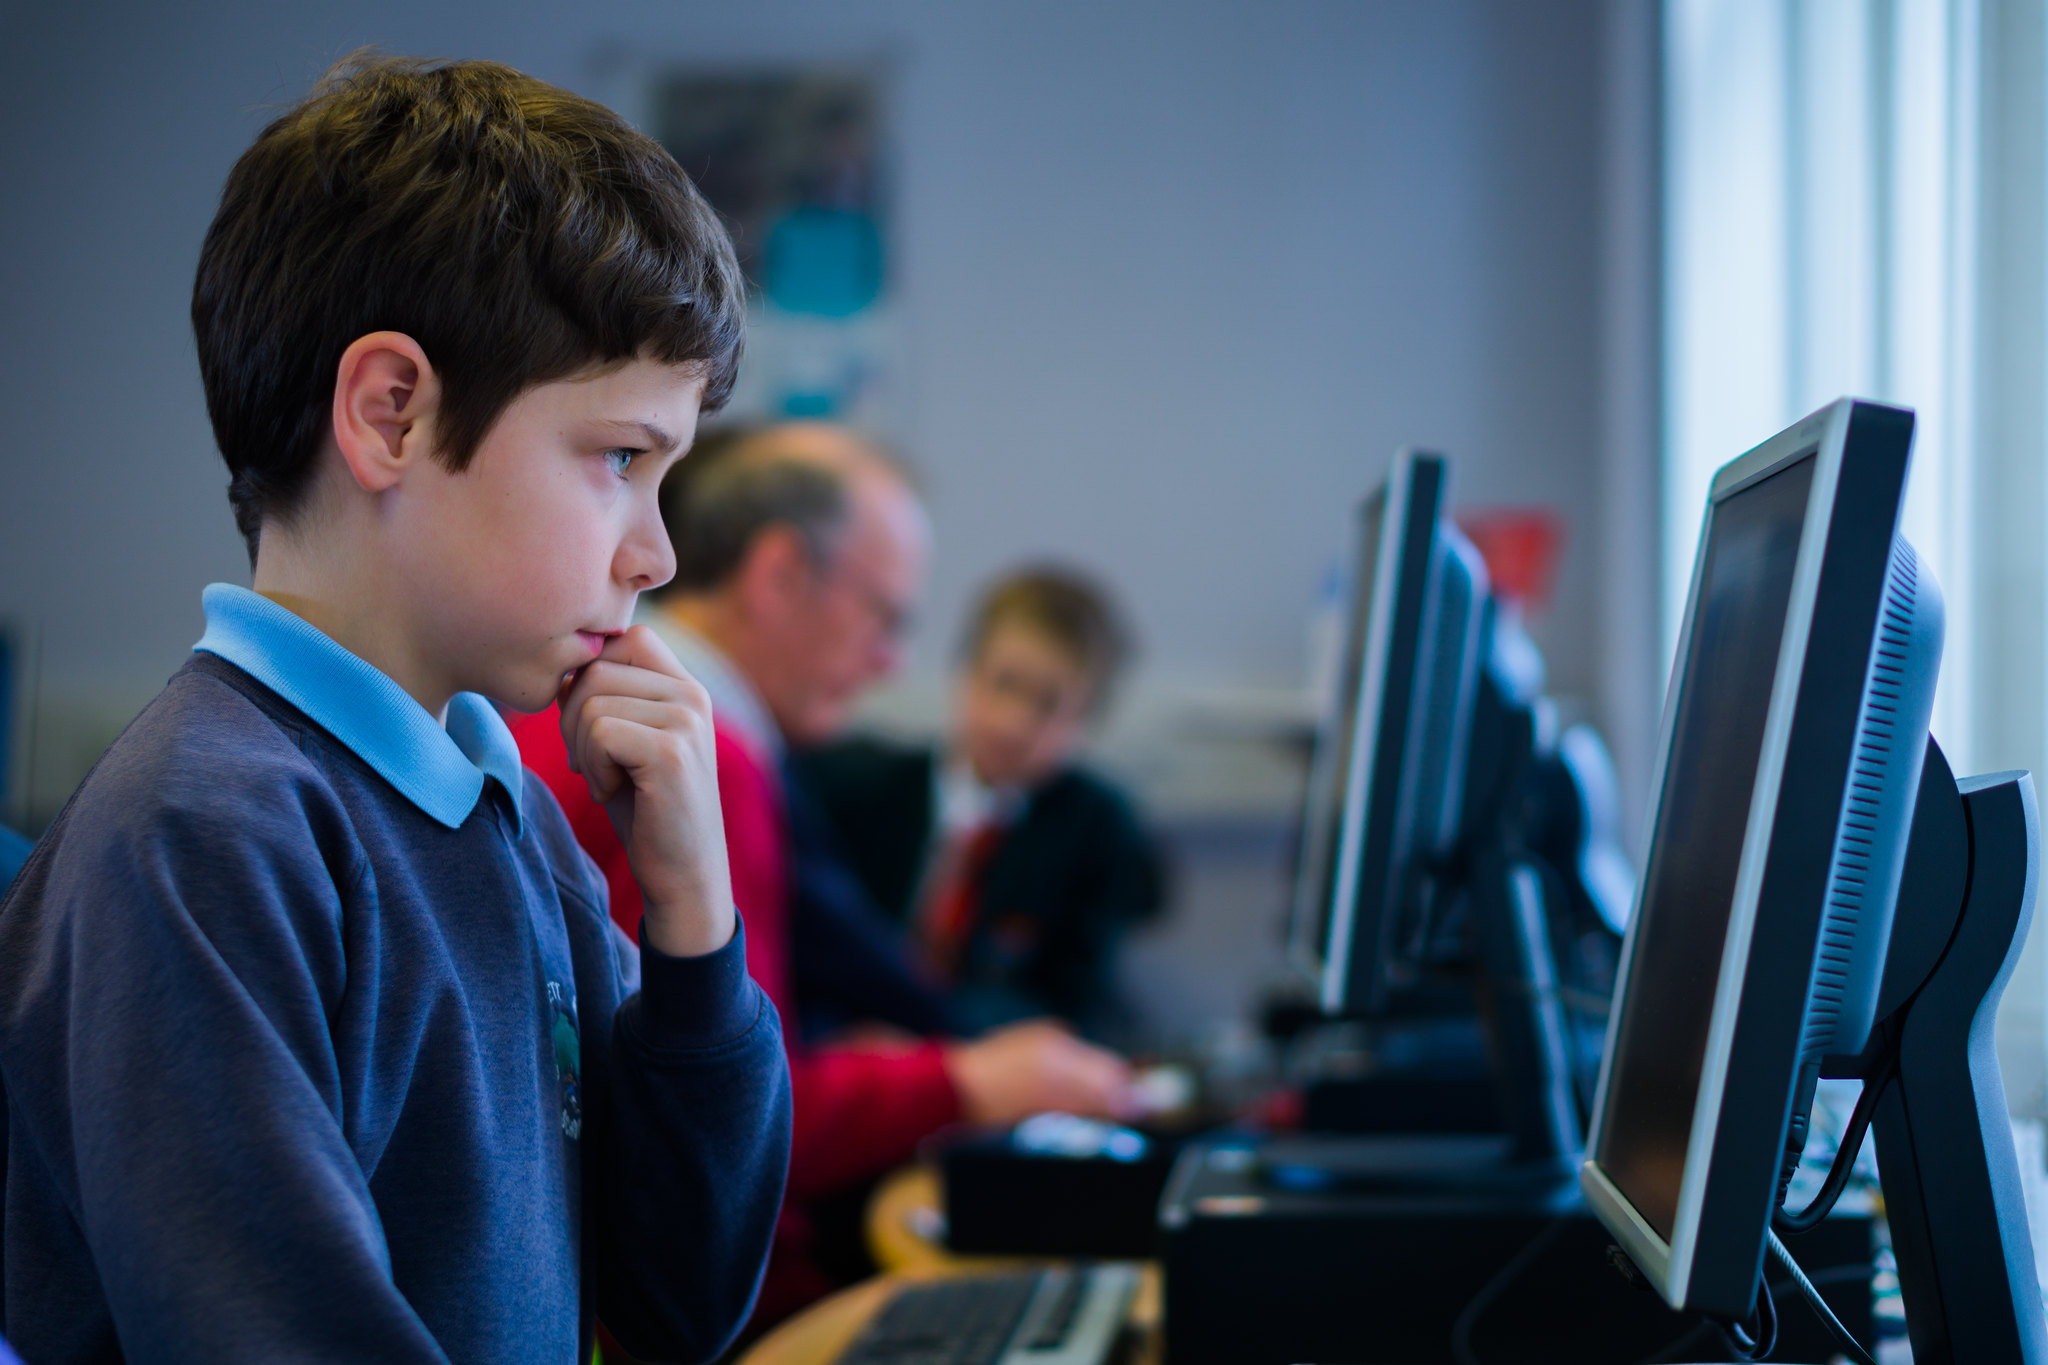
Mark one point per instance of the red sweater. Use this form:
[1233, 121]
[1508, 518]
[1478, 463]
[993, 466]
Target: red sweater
[859, 1111]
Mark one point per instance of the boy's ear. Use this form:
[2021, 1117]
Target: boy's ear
[385, 397]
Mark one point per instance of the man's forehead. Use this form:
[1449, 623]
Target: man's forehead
[885, 546]
[818, 445]
[847, 455]
[887, 510]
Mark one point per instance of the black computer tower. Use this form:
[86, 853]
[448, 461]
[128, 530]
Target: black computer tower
[1257, 1274]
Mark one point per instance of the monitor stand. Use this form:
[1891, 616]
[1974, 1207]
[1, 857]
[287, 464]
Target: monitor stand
[1521, 1010]
[1524, 1018]
[1520, 1004]
[1944, 1141]
[1518, 995]
[1425, 1072]
[1541, 1144]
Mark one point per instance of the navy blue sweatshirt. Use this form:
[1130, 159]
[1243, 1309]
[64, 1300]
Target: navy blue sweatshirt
[296, 1071]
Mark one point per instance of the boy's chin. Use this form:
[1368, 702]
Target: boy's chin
[529, 695]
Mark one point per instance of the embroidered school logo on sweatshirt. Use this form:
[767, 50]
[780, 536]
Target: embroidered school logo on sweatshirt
[568, 1058]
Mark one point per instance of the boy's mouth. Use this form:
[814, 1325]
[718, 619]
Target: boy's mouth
[594, 640]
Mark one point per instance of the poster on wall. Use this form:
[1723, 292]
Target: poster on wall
[791, 160]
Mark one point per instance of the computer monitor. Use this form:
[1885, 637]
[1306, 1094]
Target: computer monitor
[1386, 784]
[1794, 740]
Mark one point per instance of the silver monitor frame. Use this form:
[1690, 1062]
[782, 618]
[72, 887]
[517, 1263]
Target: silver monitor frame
[1319, 876]
[1823, 436]
[1326, 886]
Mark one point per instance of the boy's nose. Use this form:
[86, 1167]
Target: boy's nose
[647, 559]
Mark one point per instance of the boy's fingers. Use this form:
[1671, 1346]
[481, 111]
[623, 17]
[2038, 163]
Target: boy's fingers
[632, 712]
[603, 774]
[618, 748]
[637, 684]
[615, 736]
[598, 755]
[640, 647]
[683, 705]
[654, 715]
[615, 677]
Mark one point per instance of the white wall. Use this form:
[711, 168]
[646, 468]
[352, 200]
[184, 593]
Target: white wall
[1175, 279]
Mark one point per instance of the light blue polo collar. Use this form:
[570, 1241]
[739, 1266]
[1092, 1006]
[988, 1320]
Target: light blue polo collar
[441, 771]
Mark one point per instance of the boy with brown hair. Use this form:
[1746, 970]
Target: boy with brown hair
[317, 1042]
[1013, 870]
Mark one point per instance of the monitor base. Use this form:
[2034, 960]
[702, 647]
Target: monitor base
[1944, 1141]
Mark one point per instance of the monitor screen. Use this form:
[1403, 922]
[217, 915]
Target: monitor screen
[1703, 810]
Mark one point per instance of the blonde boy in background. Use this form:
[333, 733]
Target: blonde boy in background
[1013, 869]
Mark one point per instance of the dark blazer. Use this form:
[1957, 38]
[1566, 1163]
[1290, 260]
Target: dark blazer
[1073, 872]
[847, 958]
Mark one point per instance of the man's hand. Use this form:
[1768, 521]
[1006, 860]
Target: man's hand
[1031, 1067]
[638, 729]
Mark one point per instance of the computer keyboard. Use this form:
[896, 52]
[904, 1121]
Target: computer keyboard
[1059, 1315]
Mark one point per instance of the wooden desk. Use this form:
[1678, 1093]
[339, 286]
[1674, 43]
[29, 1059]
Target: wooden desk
[901, 1227]
[904, 1222]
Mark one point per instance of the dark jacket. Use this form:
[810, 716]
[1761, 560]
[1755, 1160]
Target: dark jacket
[1073, 872]
[848, 959]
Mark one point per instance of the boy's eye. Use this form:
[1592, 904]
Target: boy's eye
[620, 458]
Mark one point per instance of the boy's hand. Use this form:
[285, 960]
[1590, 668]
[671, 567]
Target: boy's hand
[638, 729]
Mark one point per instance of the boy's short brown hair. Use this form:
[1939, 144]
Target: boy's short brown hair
[519, 233]
[1069, 609]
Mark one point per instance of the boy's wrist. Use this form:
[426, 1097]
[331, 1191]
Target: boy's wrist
[687, 932]
[694, 1002]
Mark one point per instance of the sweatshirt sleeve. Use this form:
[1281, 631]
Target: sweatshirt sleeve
[693, 1156]
[166, 981]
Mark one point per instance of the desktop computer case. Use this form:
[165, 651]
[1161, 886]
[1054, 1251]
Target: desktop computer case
[1259, 1276]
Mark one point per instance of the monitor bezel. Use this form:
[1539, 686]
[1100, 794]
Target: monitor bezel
[1757, 1012]
[1387, 685]
[1413, 503]
[1328, 802]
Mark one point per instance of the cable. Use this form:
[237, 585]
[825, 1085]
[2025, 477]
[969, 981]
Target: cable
[1468, 1317]
[1682, 1346]
[1592, 1004]
[1850, 1346]
[1745, 1344]
[1844, 1165]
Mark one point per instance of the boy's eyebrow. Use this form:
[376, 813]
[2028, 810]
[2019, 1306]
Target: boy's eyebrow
[657, 438]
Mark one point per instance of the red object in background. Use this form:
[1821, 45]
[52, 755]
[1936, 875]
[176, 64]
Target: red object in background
[1280, 1111]
[1521, 547]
